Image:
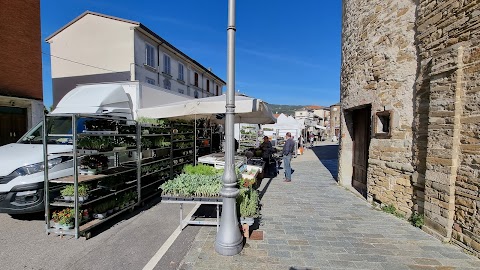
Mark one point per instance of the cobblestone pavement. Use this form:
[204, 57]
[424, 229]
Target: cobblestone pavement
[313, 223]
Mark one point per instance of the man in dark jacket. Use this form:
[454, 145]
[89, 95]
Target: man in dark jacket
[287, 153]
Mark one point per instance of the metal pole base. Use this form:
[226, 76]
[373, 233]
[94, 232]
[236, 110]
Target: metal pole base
[229, 241]
[229, 250]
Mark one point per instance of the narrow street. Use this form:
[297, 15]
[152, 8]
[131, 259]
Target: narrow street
[313, 223]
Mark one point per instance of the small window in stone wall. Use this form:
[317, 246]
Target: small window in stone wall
[383, 124]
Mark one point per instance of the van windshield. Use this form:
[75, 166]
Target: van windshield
[59, 127]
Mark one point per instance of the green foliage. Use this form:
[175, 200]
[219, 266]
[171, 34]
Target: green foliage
[416, 220]
[247, 202]
[153, 121]
[96, 143]
[392, 210]
[389, 209]
[200, 169]
[190, 185]
[69, 190]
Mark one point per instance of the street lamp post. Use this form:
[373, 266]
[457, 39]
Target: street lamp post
[229, 241]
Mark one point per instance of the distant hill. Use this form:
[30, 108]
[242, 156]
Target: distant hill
[285, 109]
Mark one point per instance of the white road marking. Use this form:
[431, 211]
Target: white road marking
[164, 248]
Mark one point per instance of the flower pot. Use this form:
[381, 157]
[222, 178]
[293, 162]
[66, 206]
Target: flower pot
[246, 230]
[100, 215]
[110, 211]
[91, 171]
[54, 224]
[68, 198]
[66, 226]
[247, 220]
[82, 198]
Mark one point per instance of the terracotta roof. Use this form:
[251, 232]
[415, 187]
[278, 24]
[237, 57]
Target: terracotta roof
[314, 107]
[276, 115]
[141, 27]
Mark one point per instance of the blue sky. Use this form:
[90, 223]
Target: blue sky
[288, 52]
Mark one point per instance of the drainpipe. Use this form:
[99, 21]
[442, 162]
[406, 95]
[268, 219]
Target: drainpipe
[158, 65]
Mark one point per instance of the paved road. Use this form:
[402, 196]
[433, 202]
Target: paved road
[126, 243]
[312, 223]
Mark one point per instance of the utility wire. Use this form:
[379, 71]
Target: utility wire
[77, 62]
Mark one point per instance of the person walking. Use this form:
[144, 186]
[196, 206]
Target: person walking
[312, 137]
[287, 152]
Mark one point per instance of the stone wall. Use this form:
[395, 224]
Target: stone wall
[421, 60]
[448, 35]
[379, 65]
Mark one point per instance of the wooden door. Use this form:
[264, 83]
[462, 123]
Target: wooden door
[361, 143]
[13, 124]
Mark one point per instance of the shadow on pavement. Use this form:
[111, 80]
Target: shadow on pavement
[328, 156]
[29, 217]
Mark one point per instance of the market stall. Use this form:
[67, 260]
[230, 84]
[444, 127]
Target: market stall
[247, 110]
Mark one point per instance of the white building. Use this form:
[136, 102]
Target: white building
[100, 48]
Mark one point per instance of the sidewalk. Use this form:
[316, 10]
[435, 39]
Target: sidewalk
[312, 223]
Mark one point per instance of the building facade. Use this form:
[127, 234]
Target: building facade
[334, 122]
[21, 94]
[100, 48]
[410, 127]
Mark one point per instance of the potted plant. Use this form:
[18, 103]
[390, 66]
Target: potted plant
[247, 202]
[100, 210]
[92, 164]
[83, 193]
[55, 221]
[66, 218]
[68, 193]
[88, 165]
[110, 205]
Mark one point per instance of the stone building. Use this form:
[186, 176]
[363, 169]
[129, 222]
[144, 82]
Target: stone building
[410, 102]
[334, 124]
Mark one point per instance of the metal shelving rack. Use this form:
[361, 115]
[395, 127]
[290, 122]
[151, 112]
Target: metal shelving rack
[249, 139]
[145, 184]
[75, 178]
[200, 148]
[155, 156]
[174, 151]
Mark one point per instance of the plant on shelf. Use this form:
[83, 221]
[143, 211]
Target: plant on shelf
[127, 129]
[100, 125]
[124, 142]
[146, 143]
[154, 121]
[201, 169]
[93, 164]
[246, 182]
[68, 192]
[161, 141]
[100, 210]
[66, 218]
[55, 219]
[102, 144]
[193, 185]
